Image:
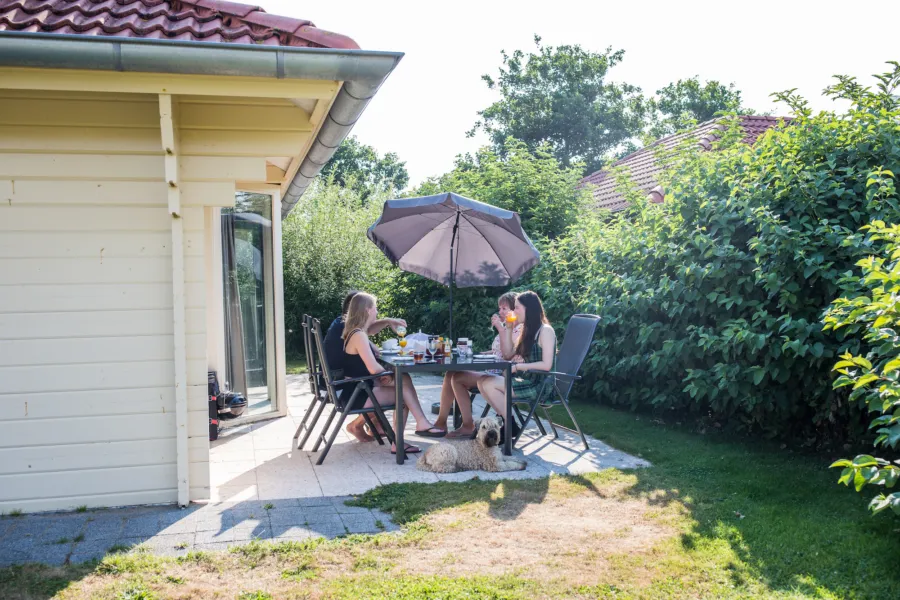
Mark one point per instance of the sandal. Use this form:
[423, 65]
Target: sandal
[461, 435]
[409, 448]
[432, 432]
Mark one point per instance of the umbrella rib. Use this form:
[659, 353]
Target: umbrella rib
[497, 254]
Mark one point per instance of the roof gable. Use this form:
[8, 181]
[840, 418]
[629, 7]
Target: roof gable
[178, 20]
[644, 170]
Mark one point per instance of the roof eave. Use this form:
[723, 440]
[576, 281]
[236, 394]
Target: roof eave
[362, 71]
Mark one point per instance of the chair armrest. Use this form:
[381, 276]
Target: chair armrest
[366, 378]
[557, 374]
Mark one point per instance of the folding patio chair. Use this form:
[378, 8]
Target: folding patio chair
[558, 384]
[346, 400]
[316, 385]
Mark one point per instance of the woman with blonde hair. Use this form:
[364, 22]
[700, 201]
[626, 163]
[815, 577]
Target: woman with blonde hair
[359, 361]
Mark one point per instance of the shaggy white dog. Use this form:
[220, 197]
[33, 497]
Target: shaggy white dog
[480, 454]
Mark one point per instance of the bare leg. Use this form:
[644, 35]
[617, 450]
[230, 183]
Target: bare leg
[462, 382]
[385, 396]
[356, 428]
[446, 402]
[493, 389]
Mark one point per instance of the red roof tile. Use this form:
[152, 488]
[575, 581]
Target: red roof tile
[643, 168]
[181, 20]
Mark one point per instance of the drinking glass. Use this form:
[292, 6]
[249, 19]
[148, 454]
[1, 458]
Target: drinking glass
[402, 343]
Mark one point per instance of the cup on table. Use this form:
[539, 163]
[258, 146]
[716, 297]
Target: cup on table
[418, 354]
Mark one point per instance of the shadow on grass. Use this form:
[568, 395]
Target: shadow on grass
[761, 516]
[788, 524]
[408, 502]
[38, 581]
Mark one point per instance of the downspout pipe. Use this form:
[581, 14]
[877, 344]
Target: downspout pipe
[361, 71]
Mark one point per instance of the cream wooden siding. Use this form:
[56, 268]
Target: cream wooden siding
[87, 397]
[86, 346]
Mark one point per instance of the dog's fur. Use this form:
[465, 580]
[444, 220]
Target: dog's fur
[479, 454]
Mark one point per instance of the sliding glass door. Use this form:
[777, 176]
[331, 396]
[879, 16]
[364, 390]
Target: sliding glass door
[249, 297]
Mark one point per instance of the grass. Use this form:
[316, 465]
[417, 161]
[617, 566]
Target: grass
[712, 518]
[296, 366]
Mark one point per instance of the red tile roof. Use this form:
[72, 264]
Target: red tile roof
[180, 20]
[643, 168]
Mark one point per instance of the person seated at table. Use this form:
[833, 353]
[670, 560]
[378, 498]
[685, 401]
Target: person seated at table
[535, 350]
[458, 384]
[359, 361]
[334, 354]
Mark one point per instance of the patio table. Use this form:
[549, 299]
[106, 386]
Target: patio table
[443, 366]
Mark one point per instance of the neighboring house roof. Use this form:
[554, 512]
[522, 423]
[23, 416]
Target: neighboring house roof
[644, 169]
[179, 20]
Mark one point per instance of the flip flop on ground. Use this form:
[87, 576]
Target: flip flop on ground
[410, 449]
[432, 432]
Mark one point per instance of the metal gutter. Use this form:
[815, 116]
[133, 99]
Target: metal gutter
[361, 71]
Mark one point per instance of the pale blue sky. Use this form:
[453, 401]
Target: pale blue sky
[430, 101]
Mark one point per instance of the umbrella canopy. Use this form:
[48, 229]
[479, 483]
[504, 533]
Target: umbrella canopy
[487, 244]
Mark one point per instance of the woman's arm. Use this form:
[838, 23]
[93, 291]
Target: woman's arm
[360, 343]
[507, 348]
[380, 324]
[547, 340]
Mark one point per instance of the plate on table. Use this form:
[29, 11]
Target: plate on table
[389, 352]
[484, 357]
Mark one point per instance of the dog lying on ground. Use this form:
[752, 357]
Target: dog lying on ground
[479, 454]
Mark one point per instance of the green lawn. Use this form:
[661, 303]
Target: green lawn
[296, 366]
[731, 520]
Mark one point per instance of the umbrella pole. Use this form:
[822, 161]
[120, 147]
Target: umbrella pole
[452, 274]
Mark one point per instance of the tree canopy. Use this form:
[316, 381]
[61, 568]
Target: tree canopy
[686, 102]
[562, 97]
[359, 167]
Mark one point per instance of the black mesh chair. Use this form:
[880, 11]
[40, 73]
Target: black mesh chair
[347, 397]
[558, 384]
[316, 386]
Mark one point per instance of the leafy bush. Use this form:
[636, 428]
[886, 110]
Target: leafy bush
[871, 310]
[712, 302]
[326, 253]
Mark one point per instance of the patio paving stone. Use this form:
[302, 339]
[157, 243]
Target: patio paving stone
[54, 554]
[103, 528]
[141, 526]
[56, 528]
[213, 537]
[90, 550]
[287, 516]
[360, 523]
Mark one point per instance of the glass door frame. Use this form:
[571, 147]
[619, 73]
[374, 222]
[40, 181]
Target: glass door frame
[279, 406]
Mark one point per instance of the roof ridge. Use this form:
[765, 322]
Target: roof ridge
[200, 20]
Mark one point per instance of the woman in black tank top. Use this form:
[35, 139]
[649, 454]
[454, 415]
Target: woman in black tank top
[359, 361]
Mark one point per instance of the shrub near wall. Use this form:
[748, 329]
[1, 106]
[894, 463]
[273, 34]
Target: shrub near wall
[712, 303]
[326, 253]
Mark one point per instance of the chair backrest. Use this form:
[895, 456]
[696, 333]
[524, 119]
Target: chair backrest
[318, 342]
[308, 350]
[575, 347]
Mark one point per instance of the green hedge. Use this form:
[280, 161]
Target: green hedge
[711, 304]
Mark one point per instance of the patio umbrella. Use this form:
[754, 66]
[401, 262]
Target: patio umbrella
[455, 241]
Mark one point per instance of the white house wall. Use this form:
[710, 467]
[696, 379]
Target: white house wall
[87, 336]
[86, 325]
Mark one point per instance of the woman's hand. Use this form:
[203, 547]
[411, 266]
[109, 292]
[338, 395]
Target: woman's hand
[395, 323]
[496, 322]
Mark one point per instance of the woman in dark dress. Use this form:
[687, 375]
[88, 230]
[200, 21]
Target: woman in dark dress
[359, 361]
